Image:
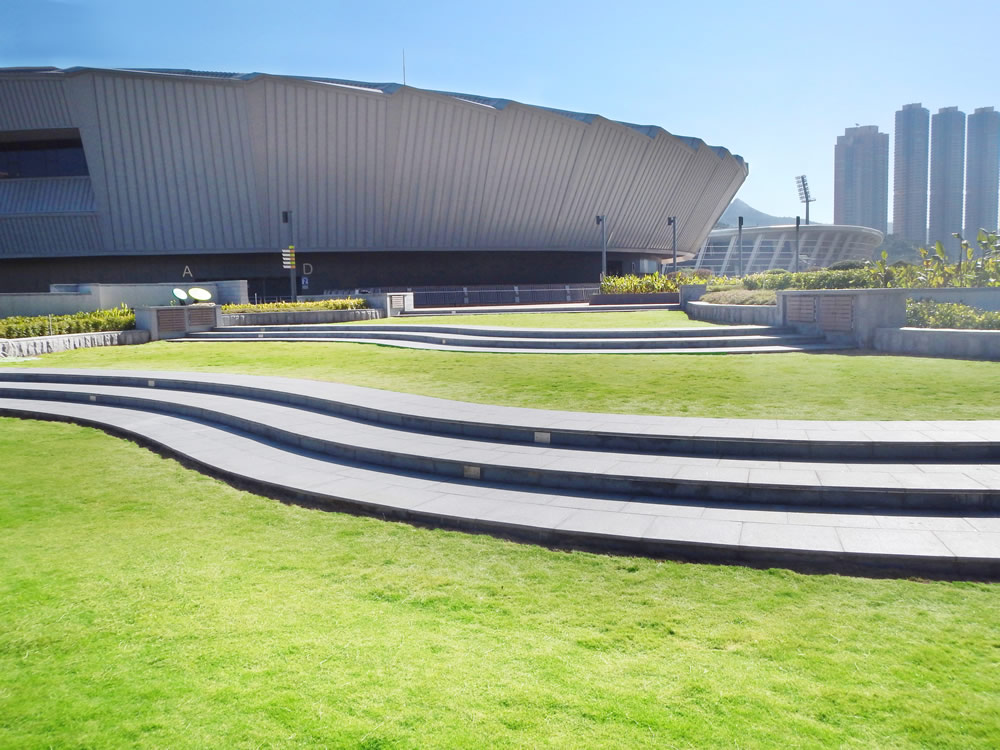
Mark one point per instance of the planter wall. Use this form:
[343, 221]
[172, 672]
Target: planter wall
[761, 315]
[293, 317]
[939, 342]
[37, 345]
[655, 298]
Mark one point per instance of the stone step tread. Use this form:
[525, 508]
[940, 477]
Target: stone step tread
[507, 332]
[201, 337]
[488, 457]
[881, 542]
[554, 423]
[557, 343]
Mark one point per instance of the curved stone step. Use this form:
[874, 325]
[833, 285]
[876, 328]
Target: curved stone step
[685, 436]
[471, 341]
[435, 330]
[863, 543]
[945, 487]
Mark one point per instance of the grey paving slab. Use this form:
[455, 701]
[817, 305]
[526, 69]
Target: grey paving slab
[791, 537]
[606, 523]
[893, 542]
[970, 544]
[695, 530]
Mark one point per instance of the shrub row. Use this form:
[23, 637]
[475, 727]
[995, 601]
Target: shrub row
[350, 303]
[118, 319]
[929, 314]
[741, 297]
[825, 279]
[652, 283]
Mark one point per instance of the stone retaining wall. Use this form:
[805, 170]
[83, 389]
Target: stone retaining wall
[37, 345]
[763, 315]
[293, 317]
[939, 342]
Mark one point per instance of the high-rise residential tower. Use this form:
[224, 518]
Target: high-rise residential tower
[861, 178]
[982, 178]
[947, 172]
[909, 186]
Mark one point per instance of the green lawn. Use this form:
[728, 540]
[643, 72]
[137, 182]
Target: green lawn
[637, 319]
[144, 605]
[790, 386]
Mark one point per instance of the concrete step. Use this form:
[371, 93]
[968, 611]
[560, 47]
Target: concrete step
[870, 484]
[549, 334]
[513, 341]
[950, 546]
[502, 348]
[836, 441]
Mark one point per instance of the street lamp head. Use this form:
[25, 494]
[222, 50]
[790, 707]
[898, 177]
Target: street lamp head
[600, 219]
[671, 220]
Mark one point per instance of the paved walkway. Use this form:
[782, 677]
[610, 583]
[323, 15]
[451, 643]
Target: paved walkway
[858, 497]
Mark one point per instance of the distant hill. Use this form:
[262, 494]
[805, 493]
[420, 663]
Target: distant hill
[751, 216]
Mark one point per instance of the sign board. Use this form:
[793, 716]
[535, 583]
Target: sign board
[288, 257]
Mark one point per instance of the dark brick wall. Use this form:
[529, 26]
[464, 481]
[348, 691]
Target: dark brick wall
[329, 270]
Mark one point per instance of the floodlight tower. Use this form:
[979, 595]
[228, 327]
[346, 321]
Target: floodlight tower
[804, 195]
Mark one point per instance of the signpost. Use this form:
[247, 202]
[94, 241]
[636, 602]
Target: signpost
[288, 261]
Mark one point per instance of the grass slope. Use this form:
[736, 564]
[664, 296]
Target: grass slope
[785, 386]
[145, 605]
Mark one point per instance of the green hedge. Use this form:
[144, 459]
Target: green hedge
[929, 314]
[118, 319]
[825, 279]
[741, 297]
[350, 303]
[653, 283]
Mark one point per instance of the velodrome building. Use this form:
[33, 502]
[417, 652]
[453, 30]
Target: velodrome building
[160, 175]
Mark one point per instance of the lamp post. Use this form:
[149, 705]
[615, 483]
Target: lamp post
[739, 233]
[797, 245]
[602, 222]
[804, 195]
[672, 222]
[286, 218]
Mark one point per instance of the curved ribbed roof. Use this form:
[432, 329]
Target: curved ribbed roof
[391, 88]
[206, 161]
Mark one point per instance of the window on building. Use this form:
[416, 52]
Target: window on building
[42, 154]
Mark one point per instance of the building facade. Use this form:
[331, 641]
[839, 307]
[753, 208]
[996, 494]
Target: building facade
[982, 172]
[861, 178]
[947, 176]
[910, 164]
[159, 175]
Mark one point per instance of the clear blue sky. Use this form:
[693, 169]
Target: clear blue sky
[776, 82]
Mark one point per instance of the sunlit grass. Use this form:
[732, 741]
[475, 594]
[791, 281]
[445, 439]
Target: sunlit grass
[145, 605]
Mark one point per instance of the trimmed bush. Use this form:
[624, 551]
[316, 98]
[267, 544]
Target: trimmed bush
[847, 265]
[350, 303]
[741, 297]
[22, 327]
[929, 314]
[654, 282]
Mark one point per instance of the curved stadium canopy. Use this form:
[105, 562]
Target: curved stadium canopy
[141, 175]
